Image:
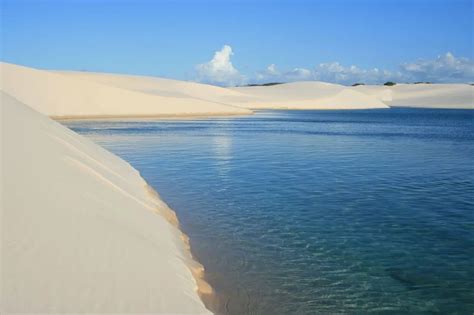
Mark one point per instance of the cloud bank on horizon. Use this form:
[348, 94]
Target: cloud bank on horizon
[446, 68]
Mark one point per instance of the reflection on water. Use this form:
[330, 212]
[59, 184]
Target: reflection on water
[223, 153]
[304, 212]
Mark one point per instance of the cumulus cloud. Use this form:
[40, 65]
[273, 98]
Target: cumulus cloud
[445, 68]
[328, 72]
[273, 74]
[220, 70]
[335, 72]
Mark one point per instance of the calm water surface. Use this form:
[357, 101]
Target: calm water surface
[307, 212]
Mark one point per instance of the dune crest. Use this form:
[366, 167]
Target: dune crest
[307, 95]
[63, 96]
[298, 95]
[72, 94]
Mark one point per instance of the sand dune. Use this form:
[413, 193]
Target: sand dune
[300, 95]
[433, 95]
[59, 95]
[80, 232]
[159, 86]
[88, 94]
[320, 95]
[423, 95]
[307, 95]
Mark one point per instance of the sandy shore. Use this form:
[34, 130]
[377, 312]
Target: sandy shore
[81, 230]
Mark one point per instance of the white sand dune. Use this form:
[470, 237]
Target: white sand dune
[80, 232]
[433, 95]
[160, 86]
[299, 95]
[59, 95]
[88, 94]
[459, 96]
[320, 95]
[307, 95]
[381, 92]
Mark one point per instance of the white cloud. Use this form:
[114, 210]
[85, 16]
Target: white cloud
[299, 74]
[328, 72]
[273, 74]
[335, 72]
[272, 70]
[220, 70]
[445, 68]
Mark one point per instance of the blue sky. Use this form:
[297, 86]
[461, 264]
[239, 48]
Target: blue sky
[268, 40]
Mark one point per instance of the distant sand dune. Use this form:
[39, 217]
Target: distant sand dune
[307, 95]
[423, 95]
[69, 94]
[299, 95]
[61, 95]
[433, 95]
[291, 95]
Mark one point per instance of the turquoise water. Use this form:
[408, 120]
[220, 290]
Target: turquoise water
[306, 212]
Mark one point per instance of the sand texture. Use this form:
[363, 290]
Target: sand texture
[80, 230]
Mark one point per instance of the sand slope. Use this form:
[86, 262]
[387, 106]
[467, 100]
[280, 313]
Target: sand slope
[80, 233]
[433, 95]
[88, 94]
[299, 95]
[423, 95]
[60, 95]
[160, 86]
[307, 95]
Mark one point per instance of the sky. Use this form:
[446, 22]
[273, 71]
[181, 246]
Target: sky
[246, 41]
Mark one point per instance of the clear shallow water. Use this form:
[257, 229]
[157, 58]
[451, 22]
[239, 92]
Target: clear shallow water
[304, 212]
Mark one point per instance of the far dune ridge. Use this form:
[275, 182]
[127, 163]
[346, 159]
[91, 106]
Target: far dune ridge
[72, 94]
[423, 95]
[61, 96]
[298, 95]
[81, 232]
[433, 95]
[308, 95]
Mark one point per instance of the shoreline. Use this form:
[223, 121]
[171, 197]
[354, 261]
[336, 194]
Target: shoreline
[92, 236]
[138, 118]
[147, 117]
[204, 289]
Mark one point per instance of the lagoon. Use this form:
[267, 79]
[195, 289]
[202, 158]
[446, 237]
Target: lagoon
[304, 212]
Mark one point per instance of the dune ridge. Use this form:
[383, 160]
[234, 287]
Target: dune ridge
[59, 95]
[307, 95]
[83, 95]
[82, 231]
[296, 95]
[299, 95]
[459, 96]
